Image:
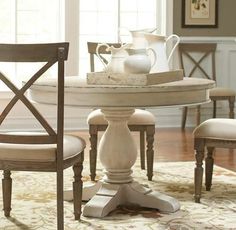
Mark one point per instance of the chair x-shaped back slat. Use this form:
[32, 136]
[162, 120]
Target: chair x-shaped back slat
[197, 64]
[19, 95]
[188, 50]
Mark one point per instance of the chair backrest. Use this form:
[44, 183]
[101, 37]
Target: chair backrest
[196, 57]
[45, 53]
[92, 46]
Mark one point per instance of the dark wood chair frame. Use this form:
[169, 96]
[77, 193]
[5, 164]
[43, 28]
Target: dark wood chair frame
[142, 129]
[200, 146]
[206, 49]
[51, 54]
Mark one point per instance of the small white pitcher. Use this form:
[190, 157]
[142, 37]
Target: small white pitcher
[118, 55]
[138, 61]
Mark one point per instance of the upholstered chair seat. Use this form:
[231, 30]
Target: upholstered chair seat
[140, 117]
[47, 152]
[219, 91]
[218, 128]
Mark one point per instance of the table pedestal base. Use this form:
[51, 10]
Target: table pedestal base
[105, 197]
[117, 151]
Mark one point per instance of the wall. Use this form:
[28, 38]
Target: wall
[224, 36]
[226, 21]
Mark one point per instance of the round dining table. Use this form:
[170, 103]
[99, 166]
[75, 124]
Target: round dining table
[117, 149]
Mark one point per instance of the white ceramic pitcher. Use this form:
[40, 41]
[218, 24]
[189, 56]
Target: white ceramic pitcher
[118, 55]
[158, 43]
[138, 39]
[138, 61]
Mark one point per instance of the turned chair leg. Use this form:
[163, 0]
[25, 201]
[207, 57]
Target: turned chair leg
[60, 200]
[198, 117]
[7, 192]
[184, 117]
[214, 109]
[231, 107]
[77, 188]
[198, 171]
[150, 131]
[93, 132]
[209, 162]
[142, 149]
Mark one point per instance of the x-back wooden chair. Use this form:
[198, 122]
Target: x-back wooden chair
[48, 151]
[187, 51]
[142, 121]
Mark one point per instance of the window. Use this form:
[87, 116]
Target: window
[100, 20]
[25, 21]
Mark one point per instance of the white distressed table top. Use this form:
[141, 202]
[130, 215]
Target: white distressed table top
[79, 93]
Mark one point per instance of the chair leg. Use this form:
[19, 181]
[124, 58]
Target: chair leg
[184, 117]
[77, 189]
[198, 171]
[231, 107]
[198, 117]
[7, 191]
[150, 131]
[214, 109]
[60, 201]
[209, 162]
[142, 150]
[93, 132]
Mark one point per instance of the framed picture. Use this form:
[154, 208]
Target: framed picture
[200, 13]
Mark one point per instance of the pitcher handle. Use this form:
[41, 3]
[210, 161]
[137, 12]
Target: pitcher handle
[98, 54]
[154, 54]
[175, 46]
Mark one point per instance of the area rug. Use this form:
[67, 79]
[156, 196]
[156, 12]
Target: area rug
[34, 206]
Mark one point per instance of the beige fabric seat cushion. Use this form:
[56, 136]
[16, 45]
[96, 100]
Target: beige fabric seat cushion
[44, 152]
[139, 117]
[218, 91]
[218, 128]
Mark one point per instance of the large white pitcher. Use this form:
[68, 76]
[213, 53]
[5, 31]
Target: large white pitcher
[118, 55]
[158, 43]
[138, 39]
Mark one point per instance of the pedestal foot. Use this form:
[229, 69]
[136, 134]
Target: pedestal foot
[107, 199]
[109, 196]
[89, 190]
[145, 197]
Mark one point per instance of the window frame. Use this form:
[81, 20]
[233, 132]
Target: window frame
[68, 30]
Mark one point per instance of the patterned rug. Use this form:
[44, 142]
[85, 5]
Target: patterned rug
[34, 206]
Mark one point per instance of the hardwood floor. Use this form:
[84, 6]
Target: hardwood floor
[173, 144]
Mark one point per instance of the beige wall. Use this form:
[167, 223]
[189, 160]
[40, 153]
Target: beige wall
[226, 21]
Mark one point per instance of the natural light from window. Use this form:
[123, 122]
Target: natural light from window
[100, 21]
[35, 21]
